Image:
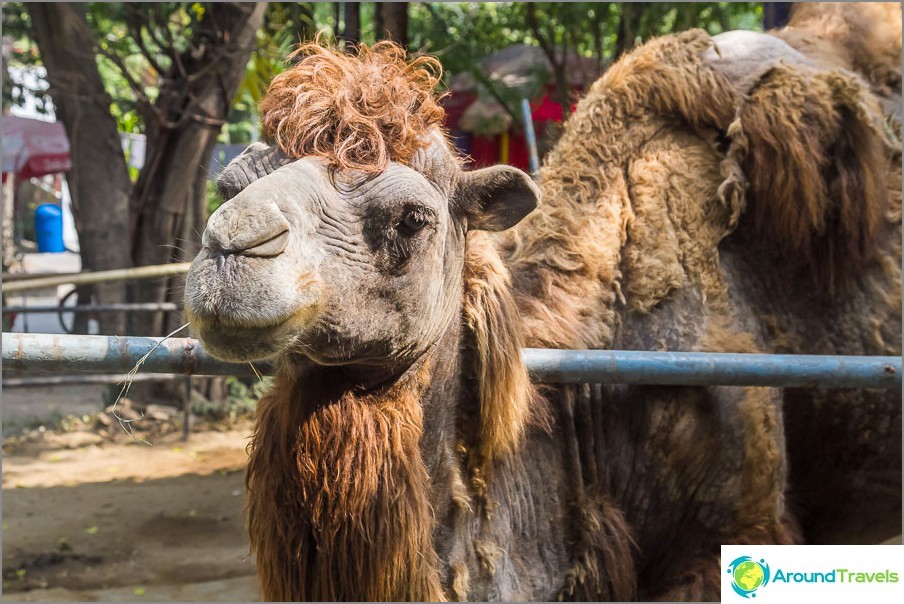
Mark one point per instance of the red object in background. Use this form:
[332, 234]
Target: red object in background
[546, 110]
[519, 154]
[34, 148]
[486, 151]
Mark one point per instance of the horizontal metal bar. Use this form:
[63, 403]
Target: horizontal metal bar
[711, 368]
[10, 277]
[84, 278]
[26, 353]
[131, 307]
[94, 378]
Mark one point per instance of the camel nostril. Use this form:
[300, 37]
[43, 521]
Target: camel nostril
[211, 241]
[248, 228]
[271, 247]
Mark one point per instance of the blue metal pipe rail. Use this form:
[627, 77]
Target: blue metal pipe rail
[712, 369]
[34, 353]
[25, 354]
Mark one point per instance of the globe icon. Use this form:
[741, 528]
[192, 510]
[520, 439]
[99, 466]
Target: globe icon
[748, 575]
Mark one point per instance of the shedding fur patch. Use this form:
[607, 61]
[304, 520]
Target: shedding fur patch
[816, 169]
[356, 112]
[567, 256]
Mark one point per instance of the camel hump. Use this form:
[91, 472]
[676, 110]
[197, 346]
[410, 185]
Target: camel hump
[743, 56]
[811, 146]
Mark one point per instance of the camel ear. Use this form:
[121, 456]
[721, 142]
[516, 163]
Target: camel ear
[496, 198]
[253, 163]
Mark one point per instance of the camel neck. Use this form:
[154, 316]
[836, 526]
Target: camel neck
[342, 482]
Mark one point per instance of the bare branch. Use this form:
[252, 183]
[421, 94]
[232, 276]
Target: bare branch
[154, 25]
[146, 52]
[533, 23]
[137, 88]
[134, 25]
[174, 53]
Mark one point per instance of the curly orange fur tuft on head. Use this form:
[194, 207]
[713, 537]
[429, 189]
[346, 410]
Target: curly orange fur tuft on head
[358, 112]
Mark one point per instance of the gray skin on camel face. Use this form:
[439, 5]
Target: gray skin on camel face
[340, 266]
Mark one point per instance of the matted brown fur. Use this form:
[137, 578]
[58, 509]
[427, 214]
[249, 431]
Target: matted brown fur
[508, 399]
[338, 493]
[566, 257]
[816, 168]
[358, 112]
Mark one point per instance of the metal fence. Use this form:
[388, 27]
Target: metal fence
[88, 277]
[31, 354]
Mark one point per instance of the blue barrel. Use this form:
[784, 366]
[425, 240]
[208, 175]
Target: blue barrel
[49, 228]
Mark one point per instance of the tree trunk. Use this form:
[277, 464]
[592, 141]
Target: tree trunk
[392, 21]
[351, 32]
[599, 11]
[628, 26]
[776, 14]
[99, 180]
[169, 205]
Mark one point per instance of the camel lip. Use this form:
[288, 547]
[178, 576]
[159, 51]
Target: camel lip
[236, 340]
[219, 319]
[224, 321]
[239, 344]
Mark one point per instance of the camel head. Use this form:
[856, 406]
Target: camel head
[345, 241]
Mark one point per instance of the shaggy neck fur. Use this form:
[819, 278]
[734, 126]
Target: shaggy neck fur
[338, 492]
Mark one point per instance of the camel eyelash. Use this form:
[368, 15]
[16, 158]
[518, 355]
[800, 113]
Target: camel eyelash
[414, 219]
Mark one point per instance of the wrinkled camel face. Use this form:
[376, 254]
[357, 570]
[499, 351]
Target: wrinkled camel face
[344, 267]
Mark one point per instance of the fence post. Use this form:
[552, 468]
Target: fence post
[186, 410]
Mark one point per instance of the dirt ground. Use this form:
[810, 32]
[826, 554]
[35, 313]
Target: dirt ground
[99, 517]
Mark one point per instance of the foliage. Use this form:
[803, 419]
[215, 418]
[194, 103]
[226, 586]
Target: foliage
[213, 198]
[461, 33]
[139, 37]
[20, 51]
[285, 25]
[241, 399]
[139, 42]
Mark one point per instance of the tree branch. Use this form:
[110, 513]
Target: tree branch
[134, 27]
[534, 25]
[176, 55]
[548, 47]
[137, 88]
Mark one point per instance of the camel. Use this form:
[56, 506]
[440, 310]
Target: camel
[404, 454]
